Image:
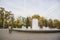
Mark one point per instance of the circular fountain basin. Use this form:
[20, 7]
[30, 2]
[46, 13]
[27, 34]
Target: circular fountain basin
[37, 31]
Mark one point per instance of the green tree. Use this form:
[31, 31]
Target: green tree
[18, 23]
[2, 16]
[50, 23]
[27, 22]
[41, 22]
[5, 16]
[56, 23]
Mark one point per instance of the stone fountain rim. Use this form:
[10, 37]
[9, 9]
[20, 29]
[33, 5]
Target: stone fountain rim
[37, 31]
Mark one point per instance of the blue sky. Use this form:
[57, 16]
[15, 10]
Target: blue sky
[45, 8]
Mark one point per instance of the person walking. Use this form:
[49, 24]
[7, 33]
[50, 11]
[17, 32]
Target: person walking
[10, 29]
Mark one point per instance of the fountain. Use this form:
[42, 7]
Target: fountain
[35, 24]
[36, 28]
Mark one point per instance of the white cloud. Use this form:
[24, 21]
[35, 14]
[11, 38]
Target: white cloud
[46, 8]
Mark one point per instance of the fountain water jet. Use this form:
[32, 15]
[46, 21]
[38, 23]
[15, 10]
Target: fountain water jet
[35, 24]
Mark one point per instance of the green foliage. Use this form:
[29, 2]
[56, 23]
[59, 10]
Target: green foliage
[56, 24]
[7, 19]
[36, 16]
[18, 23]
[50, 23]
[27, 22]
[5, 16]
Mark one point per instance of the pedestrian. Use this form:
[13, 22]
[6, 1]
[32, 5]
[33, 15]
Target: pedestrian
[10, 29]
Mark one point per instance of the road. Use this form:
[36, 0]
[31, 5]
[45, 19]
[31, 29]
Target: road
[5, 35]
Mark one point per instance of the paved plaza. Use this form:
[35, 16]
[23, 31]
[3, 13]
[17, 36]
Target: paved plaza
[5, 35]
